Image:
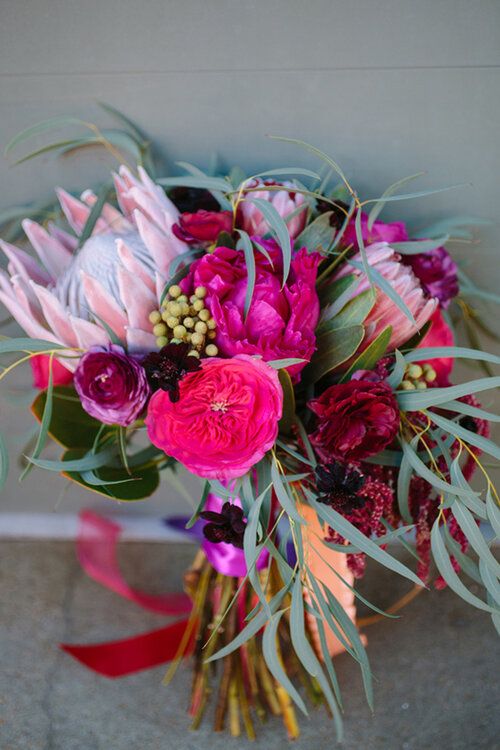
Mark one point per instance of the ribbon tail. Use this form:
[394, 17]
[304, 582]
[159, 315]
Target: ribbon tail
[131, 655]
[96, 551]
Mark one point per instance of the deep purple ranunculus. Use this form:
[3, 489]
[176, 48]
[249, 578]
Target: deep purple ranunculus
[437, 272]
[379, 232]
[112, 386]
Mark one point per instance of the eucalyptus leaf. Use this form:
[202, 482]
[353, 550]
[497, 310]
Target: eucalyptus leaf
[468, 524]
[273, 661]
[30, 346]
[371, 355]
[318, 235]
[418, 400]
[443, 563]
[353, 313]
[493, 512]
[286, 502]
[279, 228]
[247, 247]
[379, 205]
[346, 529]
[334, 348]
[416, 247]
[194, 181]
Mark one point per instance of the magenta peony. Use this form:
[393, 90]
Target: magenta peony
[355, 420]
[281, 321]
[225, 420]
[112, 386]
[379, 232]
[285, 201]
[203, 226]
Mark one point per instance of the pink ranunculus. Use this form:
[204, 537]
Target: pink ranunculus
[226, 418]
[203, 226]
[439, 334]
[40, 365]
[281, 322]
[285, 201]
[380, 232]
[355, 420]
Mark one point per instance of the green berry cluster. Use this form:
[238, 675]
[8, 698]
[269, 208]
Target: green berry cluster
[417, 377]
[185, 320]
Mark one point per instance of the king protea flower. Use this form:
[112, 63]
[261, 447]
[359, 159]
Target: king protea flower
[385, 312]
[114, 280]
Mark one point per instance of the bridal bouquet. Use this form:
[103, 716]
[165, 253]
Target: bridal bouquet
[278, 340]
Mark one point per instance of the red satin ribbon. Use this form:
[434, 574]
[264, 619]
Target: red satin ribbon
[96, 551]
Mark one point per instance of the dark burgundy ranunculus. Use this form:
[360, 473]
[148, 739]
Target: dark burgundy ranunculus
[203, 226]
[437, 272]
[355, 420]
[112, 386]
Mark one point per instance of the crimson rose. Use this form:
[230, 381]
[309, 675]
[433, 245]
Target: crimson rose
[355, 420]
[203, 226]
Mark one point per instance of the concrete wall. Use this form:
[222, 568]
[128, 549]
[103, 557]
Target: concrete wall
[388, 87]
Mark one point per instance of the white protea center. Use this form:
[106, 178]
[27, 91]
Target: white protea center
[76, 296]
[99, 259]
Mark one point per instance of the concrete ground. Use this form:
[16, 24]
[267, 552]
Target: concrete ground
[436, 667]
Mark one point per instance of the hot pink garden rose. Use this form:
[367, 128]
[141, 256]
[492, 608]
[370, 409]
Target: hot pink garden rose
[225, 420]
[281, 321]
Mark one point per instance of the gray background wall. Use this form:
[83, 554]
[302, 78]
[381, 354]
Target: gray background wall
[388, 87]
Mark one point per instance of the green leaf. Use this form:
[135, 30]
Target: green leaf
[250, 629]
[122, 446]
[288, 417]
[471, 438]
[316, 151]
[472, 411]
[278, 227]
[224, 202]
[200, 506]
[304, 650]
[140, 484]
[286, 171]
[333, 349]
[123, 120]
[203, 183]
[318, 235]
[385, 286]
[415, 401]
[273, 662]
[443, 563]
[419, 246]
[403, 487]
[94, 214]
[371, 355]
[252, 551]
[4, 462]
[8, 346]
[280, 364]
[343, 527]
[379, 205]
[456, 352]
[423, 471]
[247, 247]
[468, 524]
[284, 499]
[398, 371]
[54, 123]
[45, 420]
[493, 512]
[338, 291]
[70, 425]
[353, 313]
[419, 194]
[490, 582]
